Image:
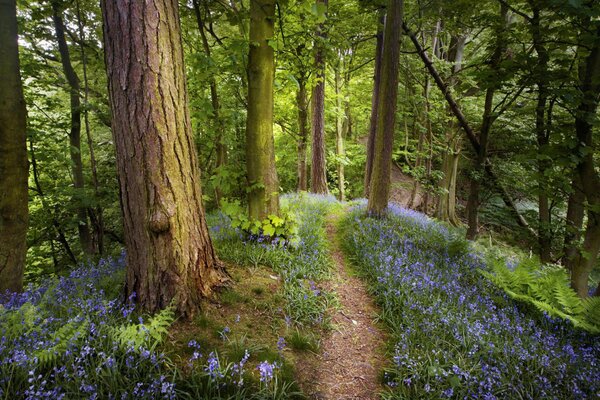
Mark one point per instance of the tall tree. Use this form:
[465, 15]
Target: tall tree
[318, 174]
[386, 113]
[13, 155]
[169, 252]
[374, 100]
[220, 147]
[302, 103]
[486, 126]
[263, 197]
[85, 237]
[589, 178]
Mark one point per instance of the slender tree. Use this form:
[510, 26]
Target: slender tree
[85, 237]
[318, 176]
[263, 197]
[170, 256]
[13, 155]
[374, 101]
[589, 178]
[486, 127]
[302, 103]
[386, 114]
[220, 147]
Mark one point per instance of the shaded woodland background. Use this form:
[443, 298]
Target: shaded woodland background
[516, 71]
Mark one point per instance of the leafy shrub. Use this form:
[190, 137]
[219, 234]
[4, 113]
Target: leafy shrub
[277, 229]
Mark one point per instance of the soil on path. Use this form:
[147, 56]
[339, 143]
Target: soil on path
[351, 355]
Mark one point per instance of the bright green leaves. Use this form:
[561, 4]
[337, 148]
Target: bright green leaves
[273, 226]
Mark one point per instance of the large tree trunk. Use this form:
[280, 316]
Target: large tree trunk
[220, 147]
[318, 175]
[302, 104]
[486, 126]
[263, 197]
[374, 101]
[14, 214]
[590, 179]
[170, 257]
[85, 237]
[386, 114]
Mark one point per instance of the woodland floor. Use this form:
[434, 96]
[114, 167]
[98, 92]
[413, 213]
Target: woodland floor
[352, 354]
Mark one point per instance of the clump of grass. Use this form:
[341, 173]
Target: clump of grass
[302, 341]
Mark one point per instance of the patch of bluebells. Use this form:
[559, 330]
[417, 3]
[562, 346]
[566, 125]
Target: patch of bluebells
[57, 341]
[455, 334]
[299, 265]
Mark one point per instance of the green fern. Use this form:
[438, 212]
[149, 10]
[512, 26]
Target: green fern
[63, 337]
[149, 334]
[548, 289]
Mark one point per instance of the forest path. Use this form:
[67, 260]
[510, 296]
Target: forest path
[352, 354]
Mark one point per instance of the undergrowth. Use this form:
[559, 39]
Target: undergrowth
[454, 333]
[299, 265]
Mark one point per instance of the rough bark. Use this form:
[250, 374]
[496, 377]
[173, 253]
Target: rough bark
[374, 101]
[170, 256]
[386, 114]
[318, 171]
[469, 132]
[263, 197]
[85, 237]
[302, 104]
[220, 148]
[14, 216]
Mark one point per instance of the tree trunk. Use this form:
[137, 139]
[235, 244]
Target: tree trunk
[374, 101]
[340, 125]
[469, 132]
[589, 87]
[220, 147]
[446, 205]
[14, 216]
[573, 223]
[96, 215]
[85, 238]
[170, 257]
[486, 126]
[543, 136]
[318, 176]
[386, 114]
[263, 198]
[302, 104]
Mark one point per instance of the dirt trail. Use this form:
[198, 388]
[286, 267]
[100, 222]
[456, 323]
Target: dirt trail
[351, 356]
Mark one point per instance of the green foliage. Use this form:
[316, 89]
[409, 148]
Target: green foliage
[280, 227]
[548, 289]
[146, 334]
